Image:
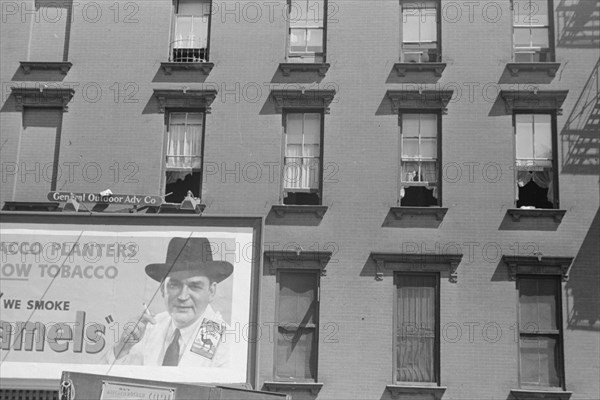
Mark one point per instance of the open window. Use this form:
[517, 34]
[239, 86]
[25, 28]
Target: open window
[532, 31]
[535, 160]
[185, 136]
[306, 37]
[302, 158]
[419, 159]
[420, 31]
[191, 28]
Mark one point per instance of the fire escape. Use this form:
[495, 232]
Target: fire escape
[581, 134]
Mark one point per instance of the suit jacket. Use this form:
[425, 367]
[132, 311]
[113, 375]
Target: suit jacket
[150, 349]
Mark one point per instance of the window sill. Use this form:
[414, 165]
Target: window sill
[282, 210]
[535, 394]
[174, 208]
[425, 68]
[438, 212]
[550, 68]
[202, 67]
[313, 387]
[517, 213]
[30, 206]
[288, 68]
[432, 392]
[62, 66]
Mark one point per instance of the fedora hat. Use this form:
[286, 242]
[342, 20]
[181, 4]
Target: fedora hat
[187, 257]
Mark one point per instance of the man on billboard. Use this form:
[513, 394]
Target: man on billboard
[190, 332]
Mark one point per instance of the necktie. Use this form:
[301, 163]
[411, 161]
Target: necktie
[172, 353]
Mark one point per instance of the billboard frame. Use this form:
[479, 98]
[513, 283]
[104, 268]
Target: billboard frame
[256, 223]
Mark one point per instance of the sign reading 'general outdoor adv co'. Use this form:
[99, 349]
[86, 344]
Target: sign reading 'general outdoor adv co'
[124, 199]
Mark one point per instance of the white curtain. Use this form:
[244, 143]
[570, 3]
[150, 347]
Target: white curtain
[302, 153]
[184, 141]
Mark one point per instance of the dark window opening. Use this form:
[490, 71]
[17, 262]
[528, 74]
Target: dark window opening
[532, 195]
[299, 198]
[178, 185]
[418, 197]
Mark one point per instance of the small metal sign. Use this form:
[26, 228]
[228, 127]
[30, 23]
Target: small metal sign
[129, 391]
[122, 199]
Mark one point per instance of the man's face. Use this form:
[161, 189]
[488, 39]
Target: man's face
[187, 298]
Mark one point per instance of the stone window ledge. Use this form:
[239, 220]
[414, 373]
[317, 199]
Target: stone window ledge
[203, 67]
[288, 68]
[432, 392]
[313, 387]
[538, 265]
[282, 210]
[62, 66]
[517, 213]
[547, 67]
[438, 212]
[537, 394]
[403, 69]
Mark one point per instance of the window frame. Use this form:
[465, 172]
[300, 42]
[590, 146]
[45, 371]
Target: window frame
[309, 271]
[289, 55]
[174, 14]
[283, 191]
[558, 335]
[554, 141]
[438, 31]
[550, 27]
[400, 182]
[166, 132]
[395, 333]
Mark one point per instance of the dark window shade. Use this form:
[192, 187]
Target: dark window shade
[38, 152]
[538, 304]
[296, 346]
[539, 344]
[50, 30]
[416, 328]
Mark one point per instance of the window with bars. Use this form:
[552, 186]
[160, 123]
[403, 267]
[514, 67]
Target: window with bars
[191, 31]
[420, 31]
[540, 336]
[535, 160]
[532, 30]
[185, 131]
[306, 31]
[419, 159]
[297, 326]
[417, 328]
[302, 158]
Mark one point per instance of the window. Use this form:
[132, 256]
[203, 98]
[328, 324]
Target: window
[184, 154]
[297, 325]
[307, 31]
[536, 160]
[417, 328]
[532, 31]
[419, 165]
[420, 32]
[540, 338]
[39, 149]
[302, 158]
[190, 31]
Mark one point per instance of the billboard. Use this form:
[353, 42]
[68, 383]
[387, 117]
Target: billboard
[159, 299]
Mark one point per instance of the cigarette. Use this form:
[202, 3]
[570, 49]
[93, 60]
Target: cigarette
[146, 310]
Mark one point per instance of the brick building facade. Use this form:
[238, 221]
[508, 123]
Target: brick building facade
[308, 123]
